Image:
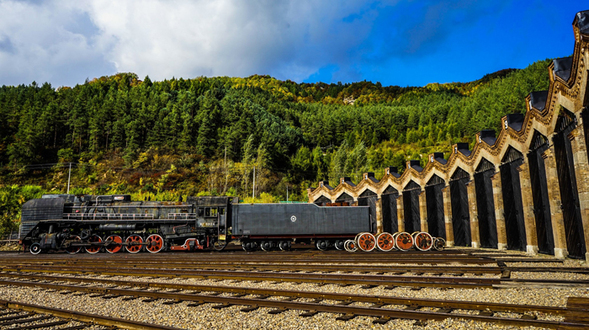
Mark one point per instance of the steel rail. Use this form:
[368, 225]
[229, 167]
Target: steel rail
[385, 300]
[83, 317]
[306, 306]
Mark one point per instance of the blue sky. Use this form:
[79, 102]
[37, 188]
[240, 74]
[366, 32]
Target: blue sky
[395, 42]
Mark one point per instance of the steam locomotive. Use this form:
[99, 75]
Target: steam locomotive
[114, 223]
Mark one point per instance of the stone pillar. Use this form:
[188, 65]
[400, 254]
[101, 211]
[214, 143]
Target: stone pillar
[579, 149]
[378, 207]
[448, 216]
[474, 216]
[528, 205]
[557, 219]
[499, 214]
[400, 214]
[423, 211]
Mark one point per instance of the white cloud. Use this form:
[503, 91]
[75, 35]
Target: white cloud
[64, 42]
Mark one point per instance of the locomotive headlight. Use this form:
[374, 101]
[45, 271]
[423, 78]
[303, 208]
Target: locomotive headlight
[293, 218]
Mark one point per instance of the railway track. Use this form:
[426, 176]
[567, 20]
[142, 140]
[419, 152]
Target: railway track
[498, 268]
[419, 281]
[402, 307]
[18, 315]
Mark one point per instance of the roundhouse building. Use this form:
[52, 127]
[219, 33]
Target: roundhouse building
[526, 188]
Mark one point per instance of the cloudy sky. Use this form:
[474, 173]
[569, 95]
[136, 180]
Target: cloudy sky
[396, 42]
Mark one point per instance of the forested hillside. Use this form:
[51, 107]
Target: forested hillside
[206, 135]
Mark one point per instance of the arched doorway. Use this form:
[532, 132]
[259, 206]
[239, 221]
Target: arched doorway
[411, 207]
[512, 200]
[460, 214]
[540, 194]
[389, 198]
[369, 198]
[569, 194]
[435, 206]
[486, 204]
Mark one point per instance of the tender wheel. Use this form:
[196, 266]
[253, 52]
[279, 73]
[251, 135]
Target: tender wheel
[339, 245]
[423, 241]
[322, 245]
[284, 245]
[403, 241]
[93, 249]
[266, 246]
[350, 246]
[155, 243]
[385, 242]
[439, 244]
[113, 244]
[366, 242]
[35, 248]
[74, 249]
[134, 244]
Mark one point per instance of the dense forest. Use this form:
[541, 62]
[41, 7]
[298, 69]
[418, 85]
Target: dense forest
[205, 136]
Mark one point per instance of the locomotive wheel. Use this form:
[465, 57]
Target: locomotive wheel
[366, 242]
[155, 243]
[35, 248]
[439, 244]
[74, 249]
[321, 245]
[350, 246]
[403, 241]
[93, 249]
[339, 245]
[134, 244]
[113, 244]
[284, 245]
[219, 245]
[385, 242]
[423, 241]
[266, 246]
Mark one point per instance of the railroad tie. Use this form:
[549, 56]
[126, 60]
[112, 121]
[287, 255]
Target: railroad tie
[250, 309]
[309, 313]
[577, 310]
[172, 302]
[196, 303]
[382, 320]
[221, 306]
[277, 311]
[346, 317]
[445, 310]
[486, 313]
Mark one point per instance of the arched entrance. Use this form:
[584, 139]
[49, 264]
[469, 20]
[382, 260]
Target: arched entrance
[411, 207]
[486, 204]
[389, 210]
[569, 194]
[435, 206]
[369, 198]
[540, 194]
[460, 214]
[512, 200]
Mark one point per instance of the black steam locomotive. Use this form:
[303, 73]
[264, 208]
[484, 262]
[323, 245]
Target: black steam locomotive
[114, 223]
